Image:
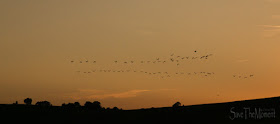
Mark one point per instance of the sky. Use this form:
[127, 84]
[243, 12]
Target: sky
[43, 43]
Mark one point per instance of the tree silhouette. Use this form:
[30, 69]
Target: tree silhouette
[77, 104]
[87, 104]
[177, 104]
[28, 101]
[93, 105]
[96, 105]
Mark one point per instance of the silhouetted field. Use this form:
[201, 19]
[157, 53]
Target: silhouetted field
[267, 111]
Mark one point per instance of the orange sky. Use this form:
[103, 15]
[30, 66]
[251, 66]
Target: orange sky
[40, 38]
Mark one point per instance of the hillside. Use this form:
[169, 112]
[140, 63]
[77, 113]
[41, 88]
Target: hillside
[263, 110]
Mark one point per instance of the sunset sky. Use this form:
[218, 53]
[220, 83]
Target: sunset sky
[40, 38]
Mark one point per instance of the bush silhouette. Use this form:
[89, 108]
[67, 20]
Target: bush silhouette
[115, 108]
[177, 104]
[43, 103]
[15, 103]
[28, 101]
[72, 105]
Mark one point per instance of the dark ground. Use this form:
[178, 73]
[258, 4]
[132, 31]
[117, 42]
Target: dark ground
[195, 114]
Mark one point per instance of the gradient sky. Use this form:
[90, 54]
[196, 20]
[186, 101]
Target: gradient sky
[40, 38]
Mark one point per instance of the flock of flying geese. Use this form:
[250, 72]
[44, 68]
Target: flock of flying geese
[172, 59]
[238, 76]
[160, 74]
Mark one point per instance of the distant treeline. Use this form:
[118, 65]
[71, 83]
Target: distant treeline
[76, 106]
